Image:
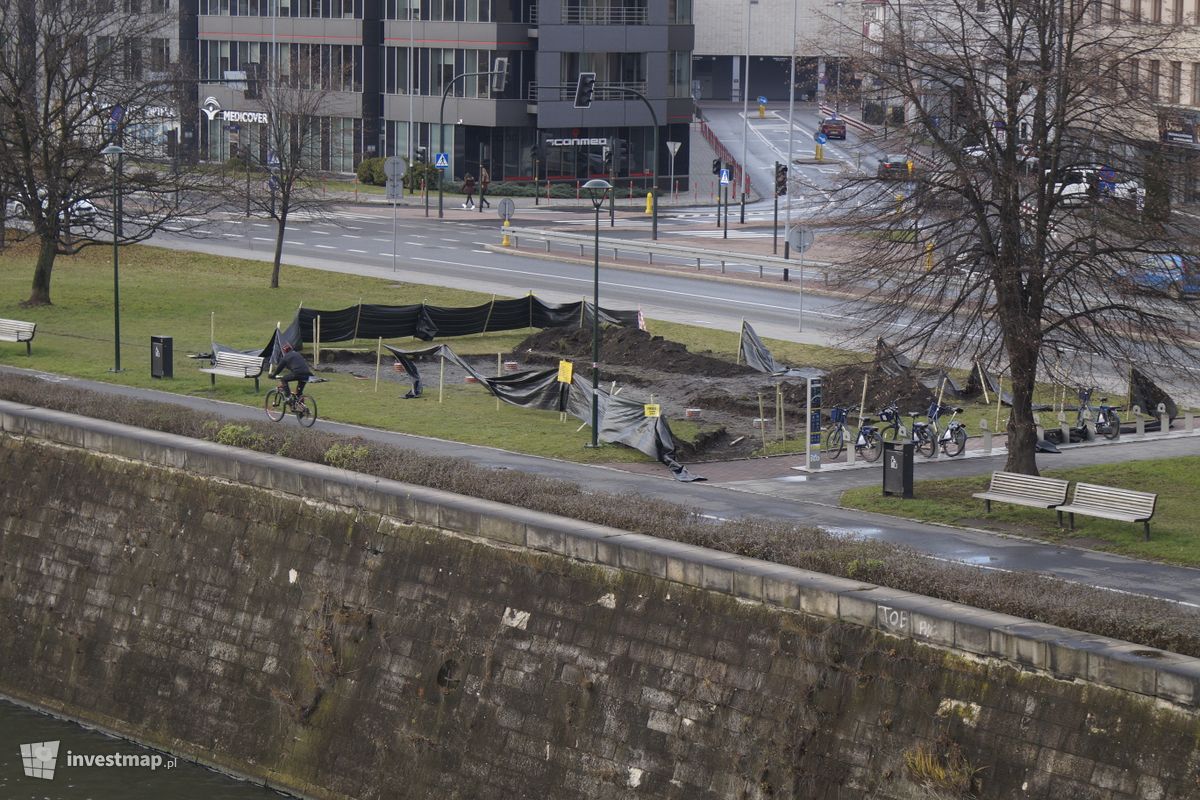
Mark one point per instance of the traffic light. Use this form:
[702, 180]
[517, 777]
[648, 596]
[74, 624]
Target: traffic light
[584, 89]
[499, 75]
[608, 159]
[419, 151]
[781, 179]
[534, 153]
[716, 166]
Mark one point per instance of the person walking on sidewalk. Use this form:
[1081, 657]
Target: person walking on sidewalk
[485, 178]
[469, 190]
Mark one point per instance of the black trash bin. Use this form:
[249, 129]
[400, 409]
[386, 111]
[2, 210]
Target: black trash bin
[162, 357]
[898, 469]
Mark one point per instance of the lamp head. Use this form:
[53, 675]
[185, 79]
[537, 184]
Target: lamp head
[111, 153]
[597, 189]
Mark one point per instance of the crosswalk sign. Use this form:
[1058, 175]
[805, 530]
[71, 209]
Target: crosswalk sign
[724, 177]
[441, 160]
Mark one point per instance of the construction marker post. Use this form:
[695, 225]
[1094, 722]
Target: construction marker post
[812, 447]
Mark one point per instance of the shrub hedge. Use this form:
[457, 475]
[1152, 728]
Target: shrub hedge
[1144, 621]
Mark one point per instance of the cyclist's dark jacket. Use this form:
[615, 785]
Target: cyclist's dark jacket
[295, 364]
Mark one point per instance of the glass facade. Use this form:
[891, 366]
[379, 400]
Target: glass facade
[321, 9]
[332, 143]
[330, 67]
[433, 68]
[440, 10]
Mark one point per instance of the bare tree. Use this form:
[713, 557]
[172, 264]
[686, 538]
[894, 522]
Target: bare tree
[1015, 233]
[73, 79]
[297, 104]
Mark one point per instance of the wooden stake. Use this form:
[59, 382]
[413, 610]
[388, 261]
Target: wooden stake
[489, 316]
[862, 403]
[999, 398]
[762, 423]
[378, 356]
[314, 327]
[987, 401]
[212, 327]
[741, 336]
[441, 376]
[498, 374]
[357, 319]
[1129, 394]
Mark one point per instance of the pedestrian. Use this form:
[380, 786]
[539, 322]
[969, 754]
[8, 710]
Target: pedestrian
[485, 179]
[469, 190]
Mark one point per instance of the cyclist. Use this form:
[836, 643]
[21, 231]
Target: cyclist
[297, 370]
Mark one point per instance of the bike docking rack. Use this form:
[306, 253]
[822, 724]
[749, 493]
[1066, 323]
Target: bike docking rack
[981, 443]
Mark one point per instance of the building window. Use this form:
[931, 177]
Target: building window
[679, 11]
[1155, 80]
[1196, 84]
[160, 55]
[1156, 10]
[1135, 10]
[1177, 12]
[679, 77]
[1132, 88]
[1116, 11]
[1176, 95]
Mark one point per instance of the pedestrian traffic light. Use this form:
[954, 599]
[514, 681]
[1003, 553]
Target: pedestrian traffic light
[584, 89]
[716, 166]
[608, 159]
[419, 151]
[781, 179]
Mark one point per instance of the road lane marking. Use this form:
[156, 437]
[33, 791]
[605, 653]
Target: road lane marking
[363, 252]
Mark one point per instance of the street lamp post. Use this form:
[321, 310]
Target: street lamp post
[746, 106]
[597, 189]
[113, 154]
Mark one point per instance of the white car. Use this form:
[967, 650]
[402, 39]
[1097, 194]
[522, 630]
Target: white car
[82, 211]
[1077, 186]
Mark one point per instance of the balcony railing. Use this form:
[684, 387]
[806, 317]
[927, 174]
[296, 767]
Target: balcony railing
[557, 93]
[590, 15]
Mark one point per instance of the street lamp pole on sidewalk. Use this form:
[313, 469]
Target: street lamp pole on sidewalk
[113, 154]
[596, 188]
[787, 212]
[746, 108]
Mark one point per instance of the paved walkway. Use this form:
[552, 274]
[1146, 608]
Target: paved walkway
[774, 488]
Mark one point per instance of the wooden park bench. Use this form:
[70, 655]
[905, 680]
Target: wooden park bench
[12, 330]
[1025, 490]
[235, 365]
[1107, 502]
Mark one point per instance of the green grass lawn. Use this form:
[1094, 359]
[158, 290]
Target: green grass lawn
[1174, 531]
[179, 294]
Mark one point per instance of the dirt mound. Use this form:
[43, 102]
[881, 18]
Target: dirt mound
[626, 347]
[844, 385]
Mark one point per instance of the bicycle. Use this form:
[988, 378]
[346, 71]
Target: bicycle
[279, 402]
[894, 429]
[954, 438]
[1107, 421]
[867, 442]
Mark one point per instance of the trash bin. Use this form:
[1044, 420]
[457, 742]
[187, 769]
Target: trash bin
[898, 469]
[162, 357]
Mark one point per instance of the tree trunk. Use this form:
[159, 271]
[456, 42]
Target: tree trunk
[40, 296]
[1022, 432]
[279, 232]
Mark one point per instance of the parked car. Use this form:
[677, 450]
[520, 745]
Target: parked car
[82, 211]
[893, 166]
[1176, 275]
[833, 127]
[1079, 185]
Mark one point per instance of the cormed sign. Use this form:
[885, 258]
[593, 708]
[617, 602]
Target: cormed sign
[575, 142]
[212, 109]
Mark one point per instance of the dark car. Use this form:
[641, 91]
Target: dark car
[893, 166]
[1176, 275]
[833, 127]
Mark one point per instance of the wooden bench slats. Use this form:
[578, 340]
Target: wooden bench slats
[235, 365]
[13, 330]
[1108, 502]
[1024, 490]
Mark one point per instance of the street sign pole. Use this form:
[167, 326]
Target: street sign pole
[725, 234]
[775, 222]
[673, 149]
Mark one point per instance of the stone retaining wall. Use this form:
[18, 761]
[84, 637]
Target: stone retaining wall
[346, 636]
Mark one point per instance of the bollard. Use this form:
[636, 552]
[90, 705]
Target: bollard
[785, 274]
[1164, 421]
[1139, 422]
[762, 111]
[1064, 428]
[504, 240]
[649, 202]
[1189, 422]
[986, 433]
[1089, 430]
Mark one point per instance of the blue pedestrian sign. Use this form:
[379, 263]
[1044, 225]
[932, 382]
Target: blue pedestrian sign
[821, 138]
[724, 177]
[441, 160]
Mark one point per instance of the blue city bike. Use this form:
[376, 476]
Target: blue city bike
[868, 445]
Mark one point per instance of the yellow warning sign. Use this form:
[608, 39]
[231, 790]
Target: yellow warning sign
[652, 410]
[565, 370]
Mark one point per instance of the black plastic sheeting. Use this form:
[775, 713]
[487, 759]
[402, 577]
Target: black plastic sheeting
[622, 419]
[758, 357]
[1146, 395]
[426, 322]
[993, 387]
